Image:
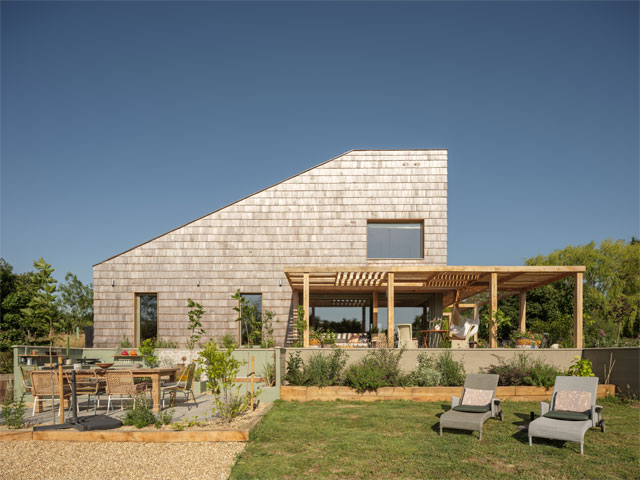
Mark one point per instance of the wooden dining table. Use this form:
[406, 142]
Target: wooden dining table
[154, 374]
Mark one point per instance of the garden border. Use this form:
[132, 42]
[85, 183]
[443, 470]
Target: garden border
[163, 436]
[290, 393]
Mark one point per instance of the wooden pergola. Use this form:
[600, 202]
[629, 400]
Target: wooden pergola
[455, 283]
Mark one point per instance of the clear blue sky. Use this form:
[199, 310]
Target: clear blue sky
[121, 121]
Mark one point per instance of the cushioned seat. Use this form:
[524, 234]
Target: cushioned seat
[566, 415]
[472, 408]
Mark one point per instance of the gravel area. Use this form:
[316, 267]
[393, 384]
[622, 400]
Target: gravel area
[111, 460]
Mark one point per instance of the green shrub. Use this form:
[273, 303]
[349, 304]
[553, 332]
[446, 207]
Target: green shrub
[379, 368]
[425, 374]
[12, 411]
[325, 370]
[295, 370]
[581, 368]
[139, 415]
[452, 373]
[147, 350]
[228, 341]
[522, 370]
[364, 376]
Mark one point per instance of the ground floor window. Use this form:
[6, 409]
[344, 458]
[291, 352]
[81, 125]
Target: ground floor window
[251, 313]
[146, 317]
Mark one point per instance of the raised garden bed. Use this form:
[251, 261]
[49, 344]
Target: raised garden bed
[235, 432]
[418, 394]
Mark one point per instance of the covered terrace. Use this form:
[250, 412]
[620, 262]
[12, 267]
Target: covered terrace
[455, 283]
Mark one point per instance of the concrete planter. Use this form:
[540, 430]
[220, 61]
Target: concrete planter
[418, 394]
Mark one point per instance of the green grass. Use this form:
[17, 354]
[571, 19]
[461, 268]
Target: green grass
[400, 440]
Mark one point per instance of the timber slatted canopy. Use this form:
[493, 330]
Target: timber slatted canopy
[455, 283]
[465, 280]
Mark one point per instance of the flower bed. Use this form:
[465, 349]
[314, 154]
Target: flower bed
[418, 394]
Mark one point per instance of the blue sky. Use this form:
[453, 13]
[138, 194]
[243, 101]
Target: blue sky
[123, 120]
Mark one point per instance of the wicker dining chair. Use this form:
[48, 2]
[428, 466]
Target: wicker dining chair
[120, 382]
[184, 385]
[46, 383]
[26, 379]
[88, 383]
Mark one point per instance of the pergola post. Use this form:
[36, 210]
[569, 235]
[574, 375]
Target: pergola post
[374, 312]
[522, 312]
[577, 311]
[493, 309]
[364, 319]
[475, 315]
[390, 309]
[305, 306]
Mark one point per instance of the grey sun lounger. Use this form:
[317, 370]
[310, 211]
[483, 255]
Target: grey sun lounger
[472, 417]
[568, 425]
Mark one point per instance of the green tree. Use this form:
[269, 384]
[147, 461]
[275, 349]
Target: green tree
[76, 302]
[42, 309]
[195, 325]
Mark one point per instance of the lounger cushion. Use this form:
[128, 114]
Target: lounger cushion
[572, 401]
[473, 396]
[566, 415]
[472, 408]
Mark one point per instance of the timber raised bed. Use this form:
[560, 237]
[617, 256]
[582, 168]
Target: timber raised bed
[418, 394]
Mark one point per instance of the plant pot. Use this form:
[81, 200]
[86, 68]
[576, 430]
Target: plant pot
[68, 361]
[526, 342]
[314, 343]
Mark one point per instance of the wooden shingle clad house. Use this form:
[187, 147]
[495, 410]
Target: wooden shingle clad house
[367, 228]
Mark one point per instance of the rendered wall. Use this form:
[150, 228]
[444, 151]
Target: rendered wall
[316, 218]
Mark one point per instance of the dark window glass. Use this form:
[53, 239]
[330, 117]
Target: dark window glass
[148, 316]
[252, 312]
[394, 240]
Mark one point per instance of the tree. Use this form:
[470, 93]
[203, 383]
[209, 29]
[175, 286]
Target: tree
[76, 301]
[195, 325]
[42, 309]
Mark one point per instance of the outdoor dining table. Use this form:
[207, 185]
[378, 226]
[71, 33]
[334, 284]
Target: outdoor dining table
[155, 374]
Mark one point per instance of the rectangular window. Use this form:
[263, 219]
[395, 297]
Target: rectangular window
[146, 316]
[251, 313]
[394, 240]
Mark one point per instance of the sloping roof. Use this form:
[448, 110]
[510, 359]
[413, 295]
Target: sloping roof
[267, 188]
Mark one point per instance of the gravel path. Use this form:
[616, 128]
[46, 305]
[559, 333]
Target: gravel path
[115, 460]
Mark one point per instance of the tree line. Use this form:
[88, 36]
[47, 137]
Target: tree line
[34, 307]
[611, 297]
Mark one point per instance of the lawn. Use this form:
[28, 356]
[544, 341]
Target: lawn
[400, 440]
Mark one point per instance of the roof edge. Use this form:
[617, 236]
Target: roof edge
[222, 208]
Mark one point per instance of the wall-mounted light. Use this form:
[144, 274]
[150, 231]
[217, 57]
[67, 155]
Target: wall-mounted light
[113, 283]
[280, 282]
[198, 283]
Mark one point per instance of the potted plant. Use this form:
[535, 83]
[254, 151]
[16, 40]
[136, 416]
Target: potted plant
[523, 339]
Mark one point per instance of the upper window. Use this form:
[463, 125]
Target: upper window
[394, 240]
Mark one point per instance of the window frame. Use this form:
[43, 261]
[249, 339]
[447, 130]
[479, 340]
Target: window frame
[419, 221]
[136, 316]
[242, 294]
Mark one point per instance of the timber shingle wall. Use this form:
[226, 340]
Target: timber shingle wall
[316, 218]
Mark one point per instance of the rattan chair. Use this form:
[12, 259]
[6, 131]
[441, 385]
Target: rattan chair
[120, 382]
[184, 385]
[46, 383]
[26, 379]
[88, 383]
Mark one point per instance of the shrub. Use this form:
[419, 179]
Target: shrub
[581, 368]
[147, 350]
[228, 341]
[380, 368]
[522, 370]
[425, 374]
[452, 373]
[325, 370]
[12, 411]
[139, 415]
[295, 372]
[364, 375]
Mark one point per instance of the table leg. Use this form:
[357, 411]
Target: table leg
[155, 391]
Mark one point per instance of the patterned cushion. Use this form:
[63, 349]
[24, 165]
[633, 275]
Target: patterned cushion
[473, 396]
[571, 401]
